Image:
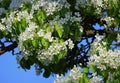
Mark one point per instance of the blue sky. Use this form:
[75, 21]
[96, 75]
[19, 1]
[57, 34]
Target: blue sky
[10, 73]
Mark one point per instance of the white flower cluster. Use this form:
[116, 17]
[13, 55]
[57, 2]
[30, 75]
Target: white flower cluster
[16, 15]
[15, 4]
[70, 43]
[98, 4]
[85, 3]
[81, 2]
[108, 20]
[46, 55]
[68, 18]
[8, 21]
[50, 6]
[73, 77]
[48, 36]
[24, 14]
[27, 34]
[99, 37]
[105, 58]
[96, 79]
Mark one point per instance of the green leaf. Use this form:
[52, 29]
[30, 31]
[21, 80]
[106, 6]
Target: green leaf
[66, 30]
[46, 74]
[24, 64]
[60, 56]
[23, 24]
[77, 34]
[86, 70]
[93, 68]
[48, 28]
[59, 30]
[20, 28]
[5, 33]
[5, 4]
[45, 43]
[43, 15]
[34, 42]
[57, 57]
[56, 60]
[81, 80]
[40, 16]
[107, 81]
[63, 11]
[104, 74]
[86, 79]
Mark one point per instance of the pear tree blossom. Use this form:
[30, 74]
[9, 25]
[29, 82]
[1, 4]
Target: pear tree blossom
[60, 37]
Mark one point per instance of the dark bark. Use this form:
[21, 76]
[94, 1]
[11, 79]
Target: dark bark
[11, 47]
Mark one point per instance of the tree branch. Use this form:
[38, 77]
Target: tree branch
[8, 48]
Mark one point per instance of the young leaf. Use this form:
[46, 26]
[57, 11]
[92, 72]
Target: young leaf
[45, 43]
[59, 30]
[86, 70]
[34, 42]
[93, 68]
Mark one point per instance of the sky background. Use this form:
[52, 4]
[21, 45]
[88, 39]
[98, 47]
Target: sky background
[10, 73]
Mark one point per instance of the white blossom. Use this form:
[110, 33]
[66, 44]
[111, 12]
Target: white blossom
[46, 55]
[2, 27]
[73, 77]
[96, 79]
[108, 20]
[41, 33]
[50, 6]
[27, 34]
[24, 14]
[97, 2]
[68, 18]
[16, 15]
[104, 58]
[99, 37]
[8, 21]
[70, 43]
[48, 36]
